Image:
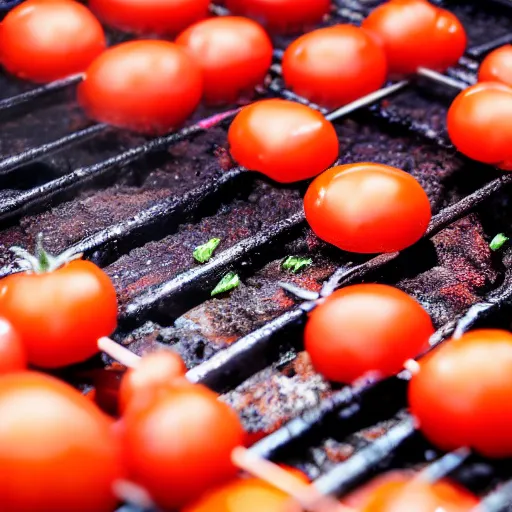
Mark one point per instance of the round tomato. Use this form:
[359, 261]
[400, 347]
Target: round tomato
[474, 373]
[234, 54]
[13, 356]
[415, 33]
[164, 17]
[44, 40]
[344, 345]
[497, 66]
[154, 372]
[147, 86]
[478, 123]
[179, 445]
[57, 450]
[60, 314]
[286, 141]
[282, 16]
[335, 65]
[367, 208]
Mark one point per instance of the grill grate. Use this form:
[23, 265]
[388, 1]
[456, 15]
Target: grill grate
[339, 413]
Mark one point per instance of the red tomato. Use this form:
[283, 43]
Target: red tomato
[286, 141]
[367, 208]
[164, 17]
[155, 372]
[497, 66]
[415, 33]
[60, 315]
[57, 450]
[179, 445]
[147, 86]
[474, 373]
[282, 16]
[13, 356]
[234, 54]
[44, 40]
[335, 65]
[478, 123]
[344, 345]
[407, 495]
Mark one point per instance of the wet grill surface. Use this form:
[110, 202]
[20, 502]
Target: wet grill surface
[141, 215]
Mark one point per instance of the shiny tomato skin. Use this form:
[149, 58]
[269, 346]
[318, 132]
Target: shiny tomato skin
[282, 16]
[44, 40]
[286, 141]
[497, 66]
[335, 65]
[478, 123]
[146, 86]
[179, 445]
[57, 450]
[162, 17]
[367, 208]
[154, 372]
[475, 374]
[344, 345]
[234, 53]
[416, 33]
[13, 356]
[60, 315]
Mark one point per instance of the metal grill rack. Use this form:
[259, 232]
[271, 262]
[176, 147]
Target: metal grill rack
[57, 170]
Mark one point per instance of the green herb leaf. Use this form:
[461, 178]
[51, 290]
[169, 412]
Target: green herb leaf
[294, 263]
[204, 252]
[228, 282]
[498, 241]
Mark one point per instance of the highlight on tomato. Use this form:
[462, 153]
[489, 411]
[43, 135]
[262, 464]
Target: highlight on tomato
[282, 16]
[335, 65]
[59, 308]
[234, 53]
[497, 66]
[474, 373]
[162, 17]
[344, 344]
[57, 449]
[45, 40]
[367, 208]
[415, 33]
[478, 123]
[13, 356]
[146, 86]
[179, 444]
[284, 140]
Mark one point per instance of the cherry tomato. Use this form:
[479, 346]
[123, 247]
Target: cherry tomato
[474, 373]
[286, 141]
[57, 450]
[344, 345]
[164, 17]
[497, 66]
[59, 315]
[478, 123]
[179, 445]
[155, 372]
[147, 86]
[282, 16]
[44, 40]
[234, 54]
[415, 33]
[367, 208]
[13, 356]
[335, 65]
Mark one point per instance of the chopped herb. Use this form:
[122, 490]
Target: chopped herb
[204, 252]
[228, 282]
[295, 263]
[498, 241]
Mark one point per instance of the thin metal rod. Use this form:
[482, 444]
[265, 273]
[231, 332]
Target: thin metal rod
[442, 79]
[445, 465]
